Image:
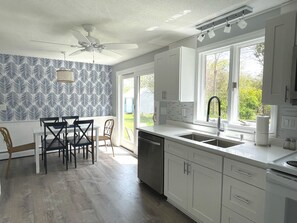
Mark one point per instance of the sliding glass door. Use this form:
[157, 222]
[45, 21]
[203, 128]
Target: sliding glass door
[137, 106]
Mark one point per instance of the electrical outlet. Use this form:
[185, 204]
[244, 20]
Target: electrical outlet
[2, 107]
[289, 122]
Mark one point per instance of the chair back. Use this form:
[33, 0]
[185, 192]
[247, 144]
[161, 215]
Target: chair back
[6, 136]
[48, 120]
[52, 132]
[85, 132]
[70, 119]
[108, 127]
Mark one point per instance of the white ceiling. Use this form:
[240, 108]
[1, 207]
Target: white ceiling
[117, 21]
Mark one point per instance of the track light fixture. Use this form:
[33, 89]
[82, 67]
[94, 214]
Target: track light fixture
[227, 28]
[228, 19]
[201, 37]
[242, 23]
[211, 33]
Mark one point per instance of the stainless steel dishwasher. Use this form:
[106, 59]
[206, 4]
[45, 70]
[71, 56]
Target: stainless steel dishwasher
[151, 161]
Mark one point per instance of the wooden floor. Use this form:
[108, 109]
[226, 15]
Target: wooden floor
[108, 191]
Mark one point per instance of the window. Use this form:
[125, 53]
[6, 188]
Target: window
[234, 74]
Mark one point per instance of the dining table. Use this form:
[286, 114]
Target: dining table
[39, 131]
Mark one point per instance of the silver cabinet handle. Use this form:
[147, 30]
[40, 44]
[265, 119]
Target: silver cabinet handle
[242, 199]
[242, 172]
[188, 169]
[286, 94]
[185, 167]
[149, 141]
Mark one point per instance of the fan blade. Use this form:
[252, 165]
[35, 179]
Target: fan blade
[119, 46]
[80, 37]
[77, 52]
[60, 44]
[109, 53]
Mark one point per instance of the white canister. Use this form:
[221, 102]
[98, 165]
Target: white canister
[262, 130]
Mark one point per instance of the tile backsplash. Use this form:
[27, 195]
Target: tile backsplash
[180, 111]
[29, 89]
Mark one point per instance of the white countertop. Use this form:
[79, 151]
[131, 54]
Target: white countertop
[249, 153]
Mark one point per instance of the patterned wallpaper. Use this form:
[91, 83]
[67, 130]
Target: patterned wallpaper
[29, 89]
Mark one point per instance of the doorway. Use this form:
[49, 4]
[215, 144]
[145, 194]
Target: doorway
[137, 105]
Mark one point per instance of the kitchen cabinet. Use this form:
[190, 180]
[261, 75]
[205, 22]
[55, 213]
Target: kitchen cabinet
[174, 75]
[193, 187]
[243, 192]
[229, 216]
[280, 37]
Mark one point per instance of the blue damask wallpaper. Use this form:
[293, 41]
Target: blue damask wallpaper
[29, 89]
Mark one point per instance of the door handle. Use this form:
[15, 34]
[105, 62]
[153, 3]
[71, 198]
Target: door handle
[286, 93]
[185, 167]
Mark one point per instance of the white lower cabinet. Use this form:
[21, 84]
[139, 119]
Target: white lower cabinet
[229, 216]
[193, 187]
[204, 197]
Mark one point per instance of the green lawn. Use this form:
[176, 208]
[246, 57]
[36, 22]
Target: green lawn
[145, 120]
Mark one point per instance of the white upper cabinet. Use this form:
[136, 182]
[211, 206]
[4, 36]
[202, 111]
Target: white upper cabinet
[280, 35]
[175, 75]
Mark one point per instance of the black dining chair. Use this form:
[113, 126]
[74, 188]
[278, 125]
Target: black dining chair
[84, 139]
[42, 121]
[52, 140]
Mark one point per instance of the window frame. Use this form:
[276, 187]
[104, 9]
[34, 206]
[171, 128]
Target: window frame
[234, 45]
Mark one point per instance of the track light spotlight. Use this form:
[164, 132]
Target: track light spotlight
[211, 34]
[242, 23]
[201, 37]
[227, 28]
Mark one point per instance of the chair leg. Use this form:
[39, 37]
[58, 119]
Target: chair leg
[66, 157]
[74, 150]
[8, 165]
[105, 145]
[111, 147]
[93, 153]
[45, 162]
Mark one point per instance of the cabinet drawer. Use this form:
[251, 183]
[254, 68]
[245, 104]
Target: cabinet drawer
[244, 199]
[176, 149]
[246, 173]
[229, 216]
[212, 161]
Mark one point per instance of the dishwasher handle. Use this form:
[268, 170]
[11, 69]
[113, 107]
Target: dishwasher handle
[149, 141]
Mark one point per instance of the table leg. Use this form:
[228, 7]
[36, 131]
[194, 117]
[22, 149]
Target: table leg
[97, 144]
[36, 152]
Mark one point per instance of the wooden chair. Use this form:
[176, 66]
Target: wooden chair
[107, 133]
[13, 149]
[83, 138]
[52, 140]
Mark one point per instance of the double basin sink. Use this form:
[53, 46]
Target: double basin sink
[223, 143]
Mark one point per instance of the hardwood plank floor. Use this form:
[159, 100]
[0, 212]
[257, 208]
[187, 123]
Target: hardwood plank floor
[108, 191]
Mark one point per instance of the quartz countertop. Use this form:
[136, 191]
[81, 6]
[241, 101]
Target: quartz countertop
[248, 152]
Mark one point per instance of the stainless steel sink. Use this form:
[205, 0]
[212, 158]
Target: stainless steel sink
[221, 143]
[196, 137]
[210, 140]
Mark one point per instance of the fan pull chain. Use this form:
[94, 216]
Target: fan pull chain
[93, 57]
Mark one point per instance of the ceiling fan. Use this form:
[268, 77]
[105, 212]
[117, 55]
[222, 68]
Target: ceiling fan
[89, 43]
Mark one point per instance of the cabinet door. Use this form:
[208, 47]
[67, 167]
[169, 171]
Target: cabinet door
[172, 81]
[175, 180]
[279, 42]
[205, 188]
[160, 72]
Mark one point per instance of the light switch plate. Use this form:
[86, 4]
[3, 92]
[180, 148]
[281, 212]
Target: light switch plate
[2, 107]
